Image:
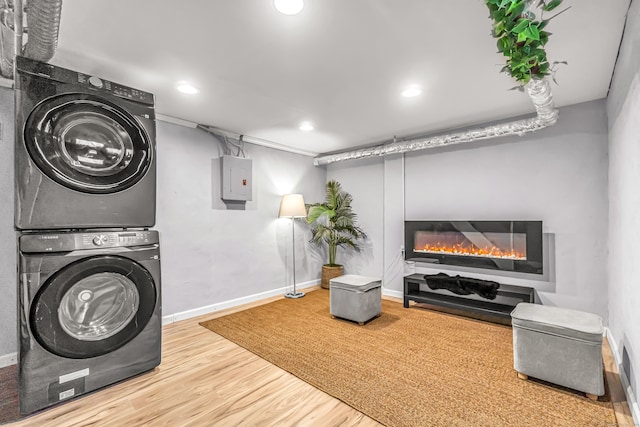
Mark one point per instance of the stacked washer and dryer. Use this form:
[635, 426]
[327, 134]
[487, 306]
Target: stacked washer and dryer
[89, 267]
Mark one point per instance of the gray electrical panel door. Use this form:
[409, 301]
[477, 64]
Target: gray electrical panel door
[236, 178]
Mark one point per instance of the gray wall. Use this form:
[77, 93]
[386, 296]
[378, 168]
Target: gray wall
[558, 175]
[364, 180]
[211, 254]
[8, 287]
[623, 108]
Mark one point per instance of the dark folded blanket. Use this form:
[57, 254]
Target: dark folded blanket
[463, 285]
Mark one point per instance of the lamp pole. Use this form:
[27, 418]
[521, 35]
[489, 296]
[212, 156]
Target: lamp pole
[293, 294]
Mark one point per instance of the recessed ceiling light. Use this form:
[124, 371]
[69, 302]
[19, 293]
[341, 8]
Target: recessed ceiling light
[306, 126]
[289, 7]
[186, 88]
[411, 92]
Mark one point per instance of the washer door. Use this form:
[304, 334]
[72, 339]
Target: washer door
[87, 143]
[93, 307]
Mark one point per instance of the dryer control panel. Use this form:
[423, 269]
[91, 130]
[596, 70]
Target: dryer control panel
[64, 75]
[116, 89]
[73, 241]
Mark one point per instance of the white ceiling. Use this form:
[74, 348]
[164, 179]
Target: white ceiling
[340, 64]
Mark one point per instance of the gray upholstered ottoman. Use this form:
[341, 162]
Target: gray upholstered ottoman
[560, 346]
[356, 298]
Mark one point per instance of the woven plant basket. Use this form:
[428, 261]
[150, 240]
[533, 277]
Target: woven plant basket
[328, 273]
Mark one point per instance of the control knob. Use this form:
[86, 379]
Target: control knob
[100, 240]
[95, 81]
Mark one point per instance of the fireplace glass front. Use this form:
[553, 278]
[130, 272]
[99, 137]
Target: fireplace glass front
[498, 245]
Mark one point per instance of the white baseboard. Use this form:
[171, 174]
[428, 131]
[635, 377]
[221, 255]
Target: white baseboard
[171, 318]
[8, 359]
[393, 293]
[631, 398]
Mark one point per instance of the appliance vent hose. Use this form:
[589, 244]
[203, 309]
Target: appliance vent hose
[43, 23]
[546, 115]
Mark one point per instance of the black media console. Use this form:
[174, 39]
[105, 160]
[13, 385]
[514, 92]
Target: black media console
[496, 310]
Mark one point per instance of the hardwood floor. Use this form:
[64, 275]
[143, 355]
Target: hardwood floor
[207, 380]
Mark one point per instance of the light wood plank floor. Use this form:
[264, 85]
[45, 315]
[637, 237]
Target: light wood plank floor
[206, 380]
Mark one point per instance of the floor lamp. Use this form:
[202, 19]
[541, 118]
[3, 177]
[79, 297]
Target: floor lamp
[292, 206]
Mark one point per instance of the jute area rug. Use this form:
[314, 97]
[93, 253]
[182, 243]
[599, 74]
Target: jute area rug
[408, 367]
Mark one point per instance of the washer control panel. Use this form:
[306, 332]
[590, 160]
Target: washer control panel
[124, 238]
[73, 241]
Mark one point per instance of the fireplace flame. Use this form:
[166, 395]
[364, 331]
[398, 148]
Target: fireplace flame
[466, 250]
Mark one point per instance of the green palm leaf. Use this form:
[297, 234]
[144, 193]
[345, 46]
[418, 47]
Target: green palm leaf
[334, 222]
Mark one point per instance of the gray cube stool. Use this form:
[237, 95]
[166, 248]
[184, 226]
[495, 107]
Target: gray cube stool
[560, 346]
[356, 298]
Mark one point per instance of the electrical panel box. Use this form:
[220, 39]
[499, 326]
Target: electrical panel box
[236, 178]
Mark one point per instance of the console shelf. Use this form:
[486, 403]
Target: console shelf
[497, 310]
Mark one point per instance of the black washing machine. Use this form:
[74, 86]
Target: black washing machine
[89, 312]
[85, 151]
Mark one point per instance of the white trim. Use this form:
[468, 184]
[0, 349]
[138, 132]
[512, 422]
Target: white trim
[8, 359]
[247, 138]
[631, 398]
[176, 121]
[270, 144]
[171, 318]
[393, 293]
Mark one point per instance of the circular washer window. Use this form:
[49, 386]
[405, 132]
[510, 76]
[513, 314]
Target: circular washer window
[93, 306]
[98, 306]
[87, 143]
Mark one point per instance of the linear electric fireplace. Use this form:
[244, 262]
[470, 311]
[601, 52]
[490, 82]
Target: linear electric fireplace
[497, 245]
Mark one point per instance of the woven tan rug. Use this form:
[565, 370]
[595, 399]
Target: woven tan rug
[409, 367]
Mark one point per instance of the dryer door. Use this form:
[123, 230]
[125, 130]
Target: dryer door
[87, 143]
[93, 307]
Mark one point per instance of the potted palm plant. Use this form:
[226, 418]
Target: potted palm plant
[334, 224]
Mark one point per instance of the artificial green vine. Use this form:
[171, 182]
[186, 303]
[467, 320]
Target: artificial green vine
[521, 38]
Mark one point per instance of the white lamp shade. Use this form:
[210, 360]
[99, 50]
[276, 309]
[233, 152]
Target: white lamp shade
[292, 206]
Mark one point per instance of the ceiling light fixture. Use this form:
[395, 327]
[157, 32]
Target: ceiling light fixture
[289, 7]
[411, 92]
[187, 88]
[306, 126]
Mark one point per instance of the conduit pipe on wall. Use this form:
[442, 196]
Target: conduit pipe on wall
[540, 93]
